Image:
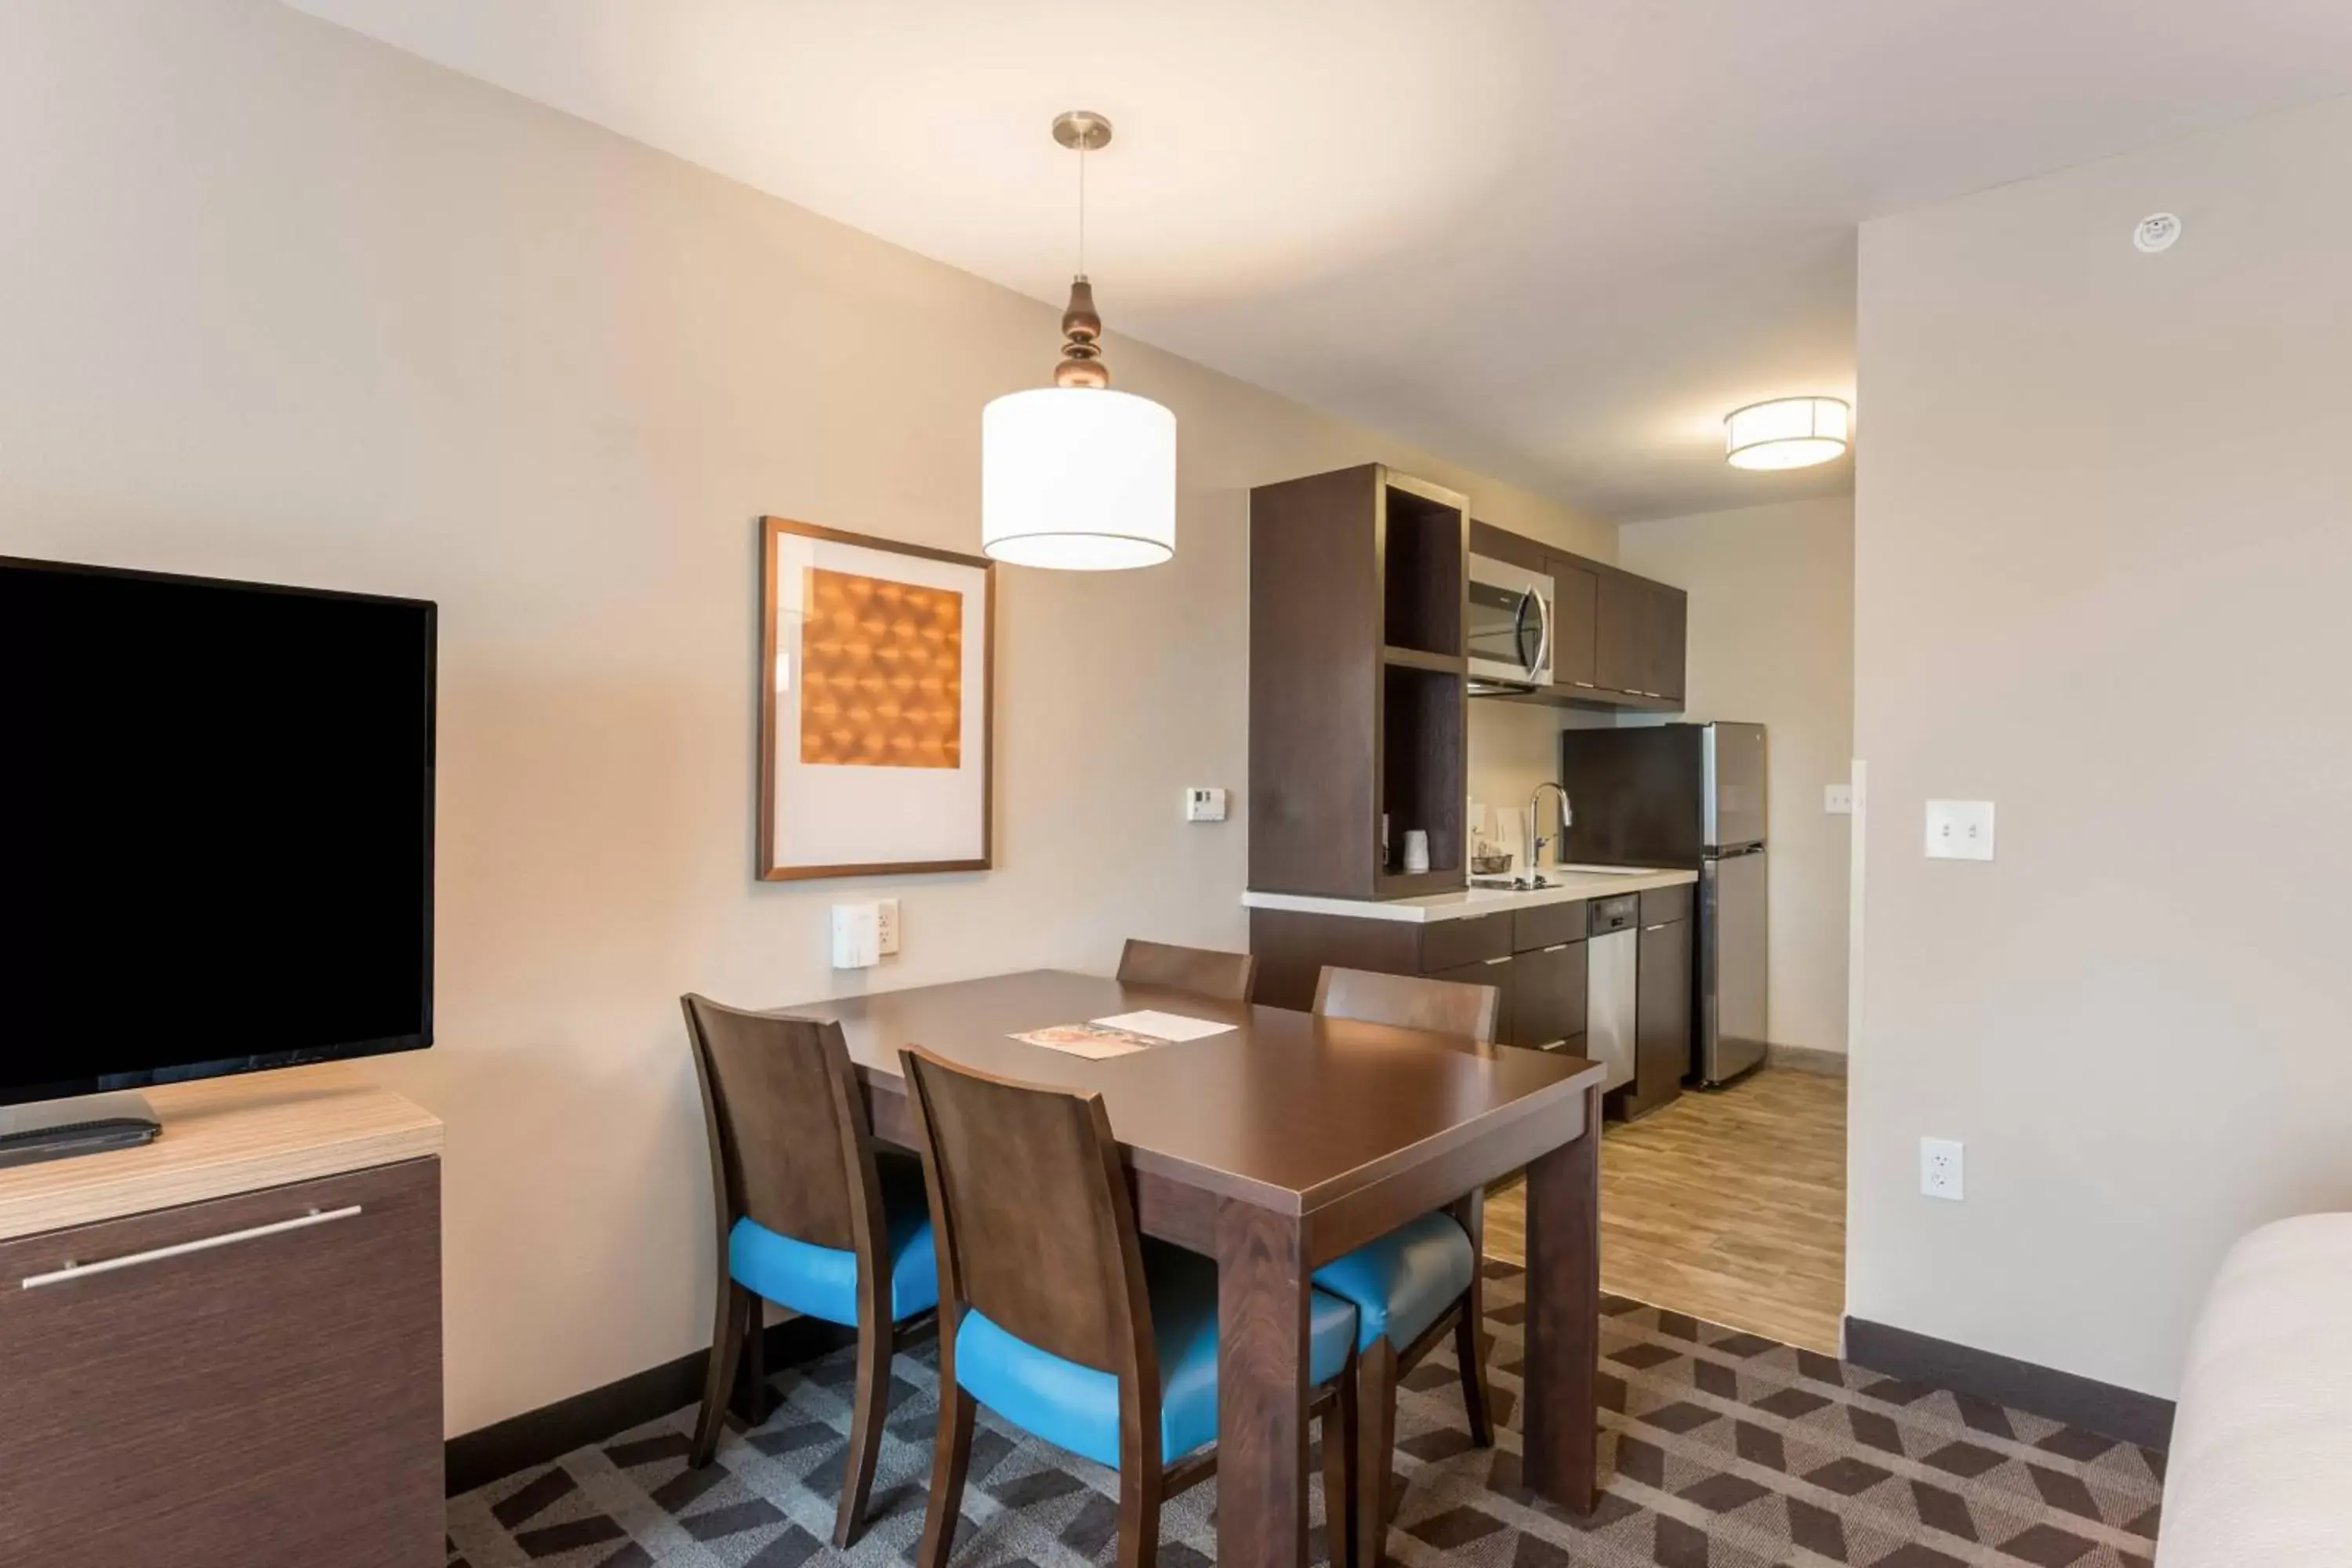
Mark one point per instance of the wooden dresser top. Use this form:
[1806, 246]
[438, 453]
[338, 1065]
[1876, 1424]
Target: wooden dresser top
[222, 1136]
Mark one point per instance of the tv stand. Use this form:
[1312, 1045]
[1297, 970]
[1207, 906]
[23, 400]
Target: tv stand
[222, 1349]
[60, 1129]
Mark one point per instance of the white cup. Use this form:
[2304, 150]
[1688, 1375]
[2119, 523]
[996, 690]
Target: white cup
[1416, 849]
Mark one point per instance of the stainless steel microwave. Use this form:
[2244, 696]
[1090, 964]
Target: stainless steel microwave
[1509, 632]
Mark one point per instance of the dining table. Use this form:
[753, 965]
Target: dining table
[1276, 1145]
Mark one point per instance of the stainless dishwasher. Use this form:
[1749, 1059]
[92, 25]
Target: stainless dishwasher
[1612, 949]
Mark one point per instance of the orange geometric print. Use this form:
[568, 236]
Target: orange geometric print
[881, 673]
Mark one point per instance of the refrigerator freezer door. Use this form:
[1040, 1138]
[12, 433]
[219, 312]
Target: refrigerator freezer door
[1635, 794]
[1733, 998]
[1731, 785]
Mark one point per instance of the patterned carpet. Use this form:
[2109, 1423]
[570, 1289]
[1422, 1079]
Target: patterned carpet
[1723, 1450]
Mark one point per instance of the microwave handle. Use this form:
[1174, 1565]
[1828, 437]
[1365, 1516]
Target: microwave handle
[1543, 633]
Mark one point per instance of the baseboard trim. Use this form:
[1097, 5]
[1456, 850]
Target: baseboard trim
[478, 1457]
[2124, 1413]
[1806, 1059]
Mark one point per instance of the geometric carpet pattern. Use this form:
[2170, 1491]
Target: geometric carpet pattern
[1721, 1449]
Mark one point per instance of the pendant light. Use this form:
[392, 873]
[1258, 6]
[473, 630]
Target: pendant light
[1786, 432]
[1074, 475]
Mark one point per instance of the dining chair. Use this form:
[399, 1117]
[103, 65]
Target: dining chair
[809, 1217]
[1203, 971]
[1414, 1284]
[1056, 1315]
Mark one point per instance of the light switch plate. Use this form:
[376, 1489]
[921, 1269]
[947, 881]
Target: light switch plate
[1202, 803]
[856, 936]
[1838, 799]
[1959, 830]
[886, 926]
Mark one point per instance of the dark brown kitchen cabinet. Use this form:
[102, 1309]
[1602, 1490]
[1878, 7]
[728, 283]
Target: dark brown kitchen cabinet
[1661, 1017]
[254, 1379]
[1576, 604]
[1548, 996]
[1357, 688]
[1622, 650]
[1292, 946]
[1668, 629]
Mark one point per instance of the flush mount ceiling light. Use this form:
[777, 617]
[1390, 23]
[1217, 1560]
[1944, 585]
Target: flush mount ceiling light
[1074, 475]
[1786, 432]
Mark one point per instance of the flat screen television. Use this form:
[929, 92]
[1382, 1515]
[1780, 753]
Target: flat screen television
[216, 827]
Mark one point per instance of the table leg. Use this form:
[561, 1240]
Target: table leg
[1261, 1388]
[1560, 1417]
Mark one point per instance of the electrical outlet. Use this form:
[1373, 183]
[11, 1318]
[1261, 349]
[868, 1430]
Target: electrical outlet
[1959, 830]
[885, 921]
[1202, 803]
[1838, 799]
[1941, 1168]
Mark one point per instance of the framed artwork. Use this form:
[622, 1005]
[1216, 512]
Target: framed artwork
[876, 659]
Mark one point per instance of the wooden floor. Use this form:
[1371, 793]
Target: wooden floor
[1729, 1206]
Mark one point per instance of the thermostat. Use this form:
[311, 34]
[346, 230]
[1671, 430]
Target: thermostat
[1204, 805]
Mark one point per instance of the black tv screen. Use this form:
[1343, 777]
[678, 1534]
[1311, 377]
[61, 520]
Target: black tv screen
[216, 827]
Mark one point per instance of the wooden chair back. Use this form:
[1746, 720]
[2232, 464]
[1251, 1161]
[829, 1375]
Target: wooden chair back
[790, 1147]
[1203, 971]
[1034, 1220]
[1409, 1002]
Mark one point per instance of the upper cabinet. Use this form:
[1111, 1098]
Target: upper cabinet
[1617, 639]
[1576, 623]
[1641, 625]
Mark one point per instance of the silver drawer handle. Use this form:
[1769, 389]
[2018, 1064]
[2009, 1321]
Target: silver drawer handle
[1559, 947]
[1659, 926]
[84, 1271]
[1505, 959]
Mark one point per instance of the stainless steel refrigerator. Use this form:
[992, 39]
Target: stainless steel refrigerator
[1688, 795]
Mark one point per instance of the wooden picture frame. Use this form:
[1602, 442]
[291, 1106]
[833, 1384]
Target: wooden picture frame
[869, 738]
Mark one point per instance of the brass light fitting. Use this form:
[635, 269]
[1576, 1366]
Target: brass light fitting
[1083, 131]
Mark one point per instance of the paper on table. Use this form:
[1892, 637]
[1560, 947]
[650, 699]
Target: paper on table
[1086, 1040]
[1164, 1025]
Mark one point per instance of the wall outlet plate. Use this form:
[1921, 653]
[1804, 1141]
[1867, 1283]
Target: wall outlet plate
[1837, 799]
[886, 923]
[1202, 803]
[1942, 1168]
[1959, 830]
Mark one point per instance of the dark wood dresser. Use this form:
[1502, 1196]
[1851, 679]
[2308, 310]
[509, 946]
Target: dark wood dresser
[224, 1348]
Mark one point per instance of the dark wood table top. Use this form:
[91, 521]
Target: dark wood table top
[1286, 1111]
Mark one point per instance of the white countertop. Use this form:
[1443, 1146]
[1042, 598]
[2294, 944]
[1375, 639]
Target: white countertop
[1568, 883]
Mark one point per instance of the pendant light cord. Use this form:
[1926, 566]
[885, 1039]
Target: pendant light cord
[1082, 207]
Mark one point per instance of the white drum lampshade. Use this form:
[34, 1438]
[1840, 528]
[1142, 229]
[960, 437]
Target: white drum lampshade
[1079, 477]
[1786, 432]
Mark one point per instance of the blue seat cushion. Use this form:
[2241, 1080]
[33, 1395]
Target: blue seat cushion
[1405, 1281]
[1077, 1407]
[821, 1281]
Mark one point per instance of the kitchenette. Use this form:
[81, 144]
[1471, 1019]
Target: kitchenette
[1619, 911]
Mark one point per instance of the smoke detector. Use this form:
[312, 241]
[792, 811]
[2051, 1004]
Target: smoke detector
[2156, 232]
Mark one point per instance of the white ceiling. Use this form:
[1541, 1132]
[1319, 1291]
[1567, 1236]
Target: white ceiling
[1554, 241]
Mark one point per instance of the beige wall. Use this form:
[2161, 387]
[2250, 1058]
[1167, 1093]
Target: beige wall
[2102, 563]
[277, 302]
[1771, 641]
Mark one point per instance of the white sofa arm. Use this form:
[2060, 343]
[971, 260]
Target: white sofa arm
[2260, 1470]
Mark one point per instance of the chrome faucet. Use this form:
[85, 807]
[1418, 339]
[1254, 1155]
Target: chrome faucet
[1535, 840]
